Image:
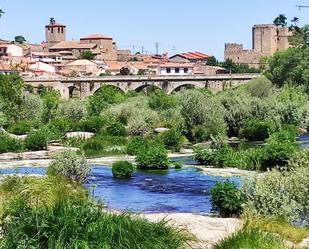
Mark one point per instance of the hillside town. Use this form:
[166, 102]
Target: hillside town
[202, 144]
[98, 55]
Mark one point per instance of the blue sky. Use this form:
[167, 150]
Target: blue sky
[187, 25]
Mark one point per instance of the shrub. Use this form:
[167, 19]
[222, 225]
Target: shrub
[31, 108]
[136, 144]
[8, 144]
[273, 195]
[260, 87]
[116, 129]
[74, 110]
[200, 134]
[153, 156]
[277, 154]
[158, 100]
[21, 127]
[250, 238]
[256, 130]
[36, 140]
[93, 124]
[70, 166]
[122, 169]
[172, 139]
[177, 165]
[226, 199]
[61, 125]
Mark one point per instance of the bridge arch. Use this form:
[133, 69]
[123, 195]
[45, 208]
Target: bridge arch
[145, 87]
[97, 88]
[182, 87]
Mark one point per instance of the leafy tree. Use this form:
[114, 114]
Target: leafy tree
[289, 67]
[232, 67]
[124, 71]
[50, 102]
[11, 87]
[1, 13]
[104, 97]
[281, 21]
[300, 37]
[87, 55]
[212, 61]
[19, 39]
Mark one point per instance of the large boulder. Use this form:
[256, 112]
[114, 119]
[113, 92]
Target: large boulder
[78, 134]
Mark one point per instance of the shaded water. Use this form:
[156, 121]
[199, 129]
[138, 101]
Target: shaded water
[185, 190]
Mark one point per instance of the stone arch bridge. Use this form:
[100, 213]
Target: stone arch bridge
[87, 86]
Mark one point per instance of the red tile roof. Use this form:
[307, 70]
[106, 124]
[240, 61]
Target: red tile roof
[72, 45]
[193, 56]
[95, 36]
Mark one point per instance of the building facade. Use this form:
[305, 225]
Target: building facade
[266, 40]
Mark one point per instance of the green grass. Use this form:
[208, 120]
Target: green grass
[43, 213]
[251, 239]
[281, 228]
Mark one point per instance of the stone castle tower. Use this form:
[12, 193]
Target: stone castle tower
[54, 33]
[266, 40]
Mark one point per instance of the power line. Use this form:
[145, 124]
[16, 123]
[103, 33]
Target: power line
[302, 6]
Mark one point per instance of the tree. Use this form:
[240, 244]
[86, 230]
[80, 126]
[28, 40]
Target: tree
[87, 55]
[19, 39]
[294, 22]
[289, 67]
[11, 88]
[124, 71]
[1, 13]
[212, 61]
[300, 37]
[280, 21]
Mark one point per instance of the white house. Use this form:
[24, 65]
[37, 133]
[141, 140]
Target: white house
[11, 50]
[42, 67]
[170, 68]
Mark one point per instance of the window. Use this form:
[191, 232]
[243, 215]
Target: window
[168, 70]
[176, 70]
[58, 29]
[185, 70]
[52, 30]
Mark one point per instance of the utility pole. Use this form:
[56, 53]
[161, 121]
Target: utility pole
[142, 49]
[174, 50]
[157, 44]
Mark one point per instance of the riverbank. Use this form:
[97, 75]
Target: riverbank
[207, 230]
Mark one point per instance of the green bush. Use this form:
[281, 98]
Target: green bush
[122, 169]
[256, 130]
[172, 139]
[69, 165]
[61, 125]
[154, 156]
[36, 140]
[116, 129]
[250, 238]
[200, 134]
[277, 154]
[226, 199]
[177, 165]
[21, 127]
[158, 100]
[8, 144]
[137, 144]
[93, 124]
